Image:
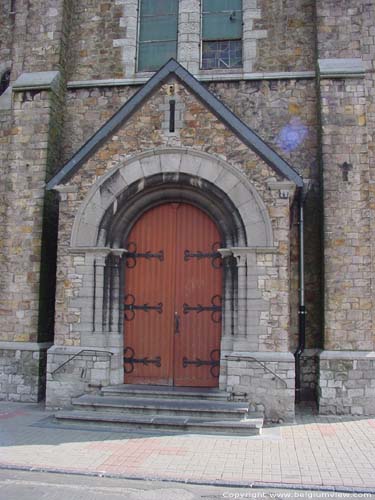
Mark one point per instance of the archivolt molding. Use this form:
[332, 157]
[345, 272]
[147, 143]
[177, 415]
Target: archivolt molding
[202, 168]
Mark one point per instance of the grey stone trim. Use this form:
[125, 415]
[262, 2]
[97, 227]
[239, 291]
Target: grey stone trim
[284, 357]
[341, 68]
[179, 112]
[24, 346]
[249, 250]
[279, 75]
[189, 34]
[286, 189]
[181, 160]
[37, 81]
[129, 23]
[202, 77]
[370, 355]
[275, 185]
[308, 353]
[66, 189]
[72, 350]
[97, 250]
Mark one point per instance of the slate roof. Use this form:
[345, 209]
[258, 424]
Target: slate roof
[224, 114]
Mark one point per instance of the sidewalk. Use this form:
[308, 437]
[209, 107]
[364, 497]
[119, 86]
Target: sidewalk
[331, 452]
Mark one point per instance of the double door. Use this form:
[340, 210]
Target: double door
[172, 300]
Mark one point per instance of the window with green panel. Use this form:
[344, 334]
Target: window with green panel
[157, 40]
[221, 34]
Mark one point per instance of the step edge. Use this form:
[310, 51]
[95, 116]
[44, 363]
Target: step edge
[87, 399]
[247, 424]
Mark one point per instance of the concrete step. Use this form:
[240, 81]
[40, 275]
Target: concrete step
[220, 410]
[159, 391]
[243, 427]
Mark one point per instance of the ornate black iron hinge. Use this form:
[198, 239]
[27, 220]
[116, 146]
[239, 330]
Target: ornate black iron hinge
[132, 255]
[215, 308]
[213, 362]
[214, 255]
[129, 359]
[131, 306]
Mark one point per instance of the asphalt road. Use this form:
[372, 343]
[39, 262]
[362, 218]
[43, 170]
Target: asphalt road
[23, 485]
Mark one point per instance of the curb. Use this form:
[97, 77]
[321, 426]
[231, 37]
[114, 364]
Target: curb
[218, 482]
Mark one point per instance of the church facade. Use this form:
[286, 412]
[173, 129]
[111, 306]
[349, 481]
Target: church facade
[187, 201]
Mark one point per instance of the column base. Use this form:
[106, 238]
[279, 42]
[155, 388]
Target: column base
[347, 382]
[266, 380]
[72, 371]
[23, 371]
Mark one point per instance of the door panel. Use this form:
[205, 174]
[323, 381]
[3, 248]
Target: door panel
[149, 333]
[173, 288]
[197, 282]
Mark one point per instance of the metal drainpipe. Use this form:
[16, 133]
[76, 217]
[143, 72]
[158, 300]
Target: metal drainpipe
[302, 308]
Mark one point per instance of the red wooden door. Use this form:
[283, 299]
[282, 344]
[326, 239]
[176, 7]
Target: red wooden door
[172, 302]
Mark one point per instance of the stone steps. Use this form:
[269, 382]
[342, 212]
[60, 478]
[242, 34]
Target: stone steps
[244, 427]
[160, 408]
[157, 391]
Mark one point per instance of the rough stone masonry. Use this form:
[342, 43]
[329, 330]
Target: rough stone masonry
[306, 87]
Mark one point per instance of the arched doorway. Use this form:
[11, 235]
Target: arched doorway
[173, 298]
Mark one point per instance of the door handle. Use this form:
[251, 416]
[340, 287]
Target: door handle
[176, 323]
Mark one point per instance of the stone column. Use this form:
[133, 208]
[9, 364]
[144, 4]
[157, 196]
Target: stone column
[24, 296]
[189, 27]
[97, 360]
[241, 331]
[265, 379]
[346, 367]
[229, 314]
[129, 22]
[250, 301]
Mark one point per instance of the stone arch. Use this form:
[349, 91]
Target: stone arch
[203, 179]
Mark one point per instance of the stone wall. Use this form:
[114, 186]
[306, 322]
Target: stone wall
[278, 36]
[310, 374]
[22, 235]
[5, 136]
[266, 381]
[22, 371]
[88, 109]
[74, 371]
[95, 26]
[290, 41]
[37, 48]
[347, 383]
[347, 115]
[347, 177]
[6, 25]
[348, 289]
[284, 114]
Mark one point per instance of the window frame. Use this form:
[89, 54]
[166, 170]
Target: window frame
[138, 42]
[202, 40]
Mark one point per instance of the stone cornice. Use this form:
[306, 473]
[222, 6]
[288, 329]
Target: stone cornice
[203, 77]
[42, 80]
[341, 68]
[24, 346]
